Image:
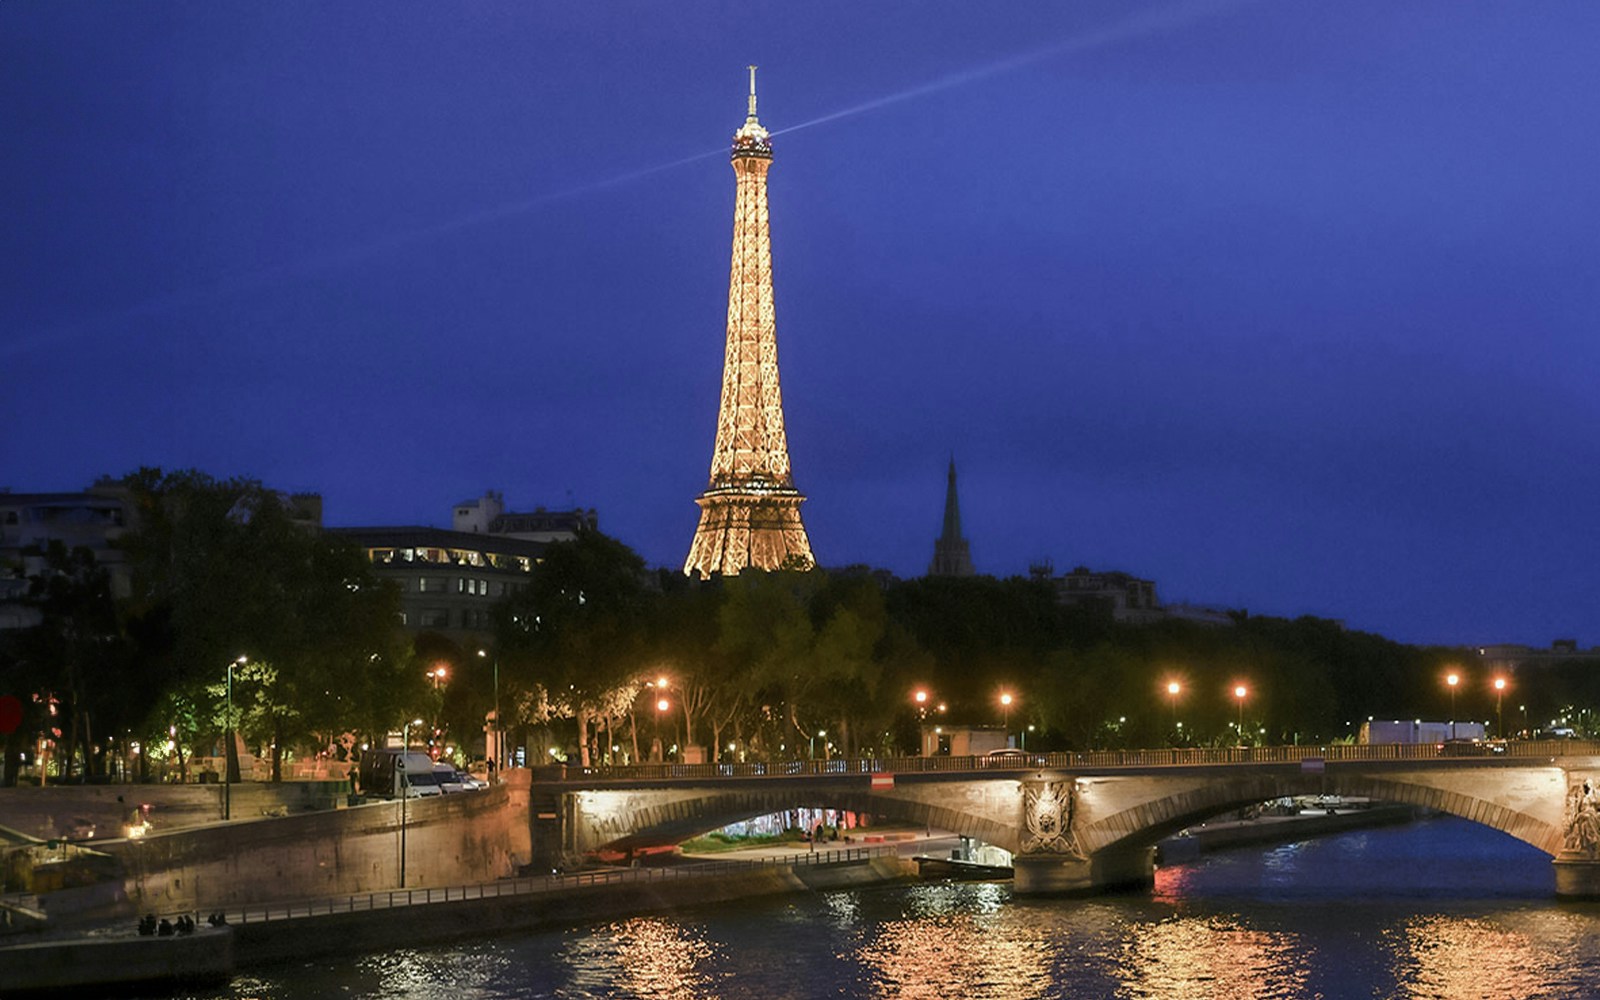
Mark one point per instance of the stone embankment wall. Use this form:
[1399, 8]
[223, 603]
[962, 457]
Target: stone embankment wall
[100, 812]
[451, 839]
[304, 937]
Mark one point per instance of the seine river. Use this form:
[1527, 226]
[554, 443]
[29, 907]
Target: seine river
[1439, 909]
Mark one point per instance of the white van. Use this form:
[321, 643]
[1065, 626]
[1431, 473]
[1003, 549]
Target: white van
[390, 772]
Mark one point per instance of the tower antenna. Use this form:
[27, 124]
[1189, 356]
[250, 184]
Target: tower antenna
[752, 91]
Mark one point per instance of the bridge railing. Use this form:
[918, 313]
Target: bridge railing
[387, 899]
[1017, 760]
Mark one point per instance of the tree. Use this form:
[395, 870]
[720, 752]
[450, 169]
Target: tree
[79, 653]
[578, 630]
[226, 568]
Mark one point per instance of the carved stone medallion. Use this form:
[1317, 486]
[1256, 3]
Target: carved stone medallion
[1047, 812]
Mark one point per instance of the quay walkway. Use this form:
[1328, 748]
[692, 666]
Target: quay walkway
[532, 886]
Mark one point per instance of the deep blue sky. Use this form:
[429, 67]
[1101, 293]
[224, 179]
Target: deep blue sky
[1285, 306]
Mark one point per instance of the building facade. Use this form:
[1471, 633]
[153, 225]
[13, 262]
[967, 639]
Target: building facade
[93, 519]
[1128, 598]
[449, 581]
[488, 515]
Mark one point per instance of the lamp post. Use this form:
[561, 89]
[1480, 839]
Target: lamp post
[1005, 714]
[662, 706]
[1499, 716]
[1452, 681]
[920, 698]
[495, 752]
[405, 791]
[230, 758]
[1173, 688]
[1239, 692]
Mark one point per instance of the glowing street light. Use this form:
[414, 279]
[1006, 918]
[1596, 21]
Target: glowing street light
[1005, 714]
[662, 706]
[1453, 680]
[405, 791]
[1173, 690]
[1240, 692]
[495, 753]
[1499, 717]
[921, 698]
[230, 757]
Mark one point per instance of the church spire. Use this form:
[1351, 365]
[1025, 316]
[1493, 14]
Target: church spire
[951, 555]
[952, 508]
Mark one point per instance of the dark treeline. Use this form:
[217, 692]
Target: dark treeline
[762, 665]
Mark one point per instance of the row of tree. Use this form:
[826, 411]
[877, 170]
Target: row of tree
[216, 571]
[762, 665]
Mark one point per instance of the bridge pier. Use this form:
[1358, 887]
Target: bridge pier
[1577, 875]
[1057, 875]
[1052, 859]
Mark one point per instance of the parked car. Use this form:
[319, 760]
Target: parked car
[1012, 757]
[451, 781]
[1471, 748]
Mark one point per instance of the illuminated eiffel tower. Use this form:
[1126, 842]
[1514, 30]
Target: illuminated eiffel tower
[750, 513]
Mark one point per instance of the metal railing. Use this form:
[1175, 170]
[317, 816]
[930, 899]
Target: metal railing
[1018, 760]
[388, 899]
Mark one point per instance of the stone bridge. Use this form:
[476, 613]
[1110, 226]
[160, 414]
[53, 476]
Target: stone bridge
[1077, 822]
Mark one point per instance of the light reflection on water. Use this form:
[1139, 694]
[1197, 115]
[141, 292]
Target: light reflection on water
[1451, 957]
[1190, 958]
[1442, 910]
[952, 956]
[646, 956]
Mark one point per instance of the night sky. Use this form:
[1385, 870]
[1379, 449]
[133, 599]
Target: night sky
[1285, 306]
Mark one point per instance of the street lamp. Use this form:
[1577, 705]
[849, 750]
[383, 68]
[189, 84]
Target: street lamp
[405, 791]
[1499, 717]
[1005, 714]
[662, 705]
[495, 754]
[921, 698]
[1453, 680]
[1173, 689]
[1239, 692]
[230, 757]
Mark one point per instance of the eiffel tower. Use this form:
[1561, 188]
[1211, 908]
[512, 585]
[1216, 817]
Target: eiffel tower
[750, 512]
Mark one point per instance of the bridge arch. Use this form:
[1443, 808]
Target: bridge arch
[653, 817]
[1522, 802]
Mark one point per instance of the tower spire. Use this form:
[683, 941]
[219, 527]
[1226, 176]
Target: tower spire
[750, 511]
[951, 555]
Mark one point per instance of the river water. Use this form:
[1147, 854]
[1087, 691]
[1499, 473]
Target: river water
[1439, 909]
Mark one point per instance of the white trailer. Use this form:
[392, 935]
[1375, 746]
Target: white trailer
[1418, 731]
